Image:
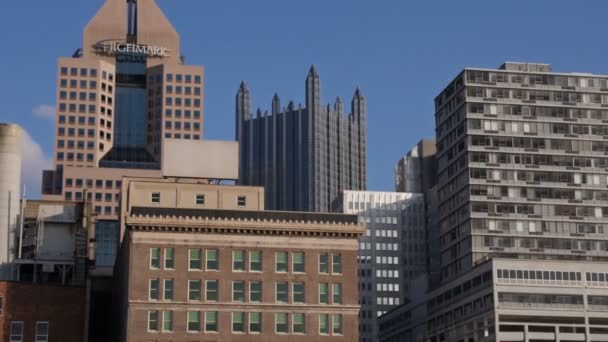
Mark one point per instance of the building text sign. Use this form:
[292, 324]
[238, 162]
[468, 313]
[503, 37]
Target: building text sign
[114, 47]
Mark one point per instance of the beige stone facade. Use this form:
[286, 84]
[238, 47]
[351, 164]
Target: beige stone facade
[228, 272]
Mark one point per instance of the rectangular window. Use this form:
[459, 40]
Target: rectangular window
[299, 323]
[153, 321]
[281, 290]
[154, 289]
[16, 334]
[241, 201]
[238, 322]
[255, 261]
[194, 259]
[281, 261]
[211, 321]
[212, 262]
[255, 291]
[255, 322]
[323, 293]
[336, 263]
[299, 293]
[336, 324]
[154, 258]
[298, 263]
[194, 321]
[324, 324]
[200, 199]
[42, 332]
[194, 290]
[323, 263]
[156, 197]
[167, 321]
[281, 324]
[238, 291]
[169, 255]
[211, 293]
[168, 289]
[1, 305]
[337, 293]
[238, 260]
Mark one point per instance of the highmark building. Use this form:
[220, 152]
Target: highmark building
[118, 97]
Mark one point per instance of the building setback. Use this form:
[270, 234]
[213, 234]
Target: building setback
[206, 262]
[305, 156]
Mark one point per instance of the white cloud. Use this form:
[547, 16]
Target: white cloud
[32, 164]
[44, 111]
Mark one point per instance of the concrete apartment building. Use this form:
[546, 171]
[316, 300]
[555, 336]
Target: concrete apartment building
[392, 251]
[521, 176]
[118, 97]
[207, 263]
[303, 156]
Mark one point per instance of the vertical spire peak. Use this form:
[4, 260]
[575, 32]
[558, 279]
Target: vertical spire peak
[243, 87]
[313, 71]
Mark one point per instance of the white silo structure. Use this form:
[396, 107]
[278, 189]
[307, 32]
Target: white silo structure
[11, 145]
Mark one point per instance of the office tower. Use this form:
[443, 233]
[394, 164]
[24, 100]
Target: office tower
[522, 176]
[416, 171]
[521, 166]
[391, 253]
[11, 141]
[118, 97]
[207, 262]
[303, 156]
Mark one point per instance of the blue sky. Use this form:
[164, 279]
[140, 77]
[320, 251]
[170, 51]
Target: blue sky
[401, 53]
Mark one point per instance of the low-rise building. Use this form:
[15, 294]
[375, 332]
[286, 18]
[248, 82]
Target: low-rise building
[202, 262]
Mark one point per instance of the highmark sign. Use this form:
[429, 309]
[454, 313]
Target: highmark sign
[113, 48]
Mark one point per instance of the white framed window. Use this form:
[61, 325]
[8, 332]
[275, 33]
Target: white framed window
[336, 263]
[298, 322]
[152, 321]
[238, 322]
[195, 262]
[255, 291]
[281, 324]
[255, 261]
[281, 265]
[169, 258]
[238, 291]
[255, 322]
[155, 197]
[323, 324]
[200, 199]
[168, 289]
[154, 258]
[336, 324]
[298, 263]
[154, 292]
[16, 334]
[167, 321]
[194, 321]
[241, 201]
[211, 321]
[211, 256]
[324, 263]
[42, 331]
[281, 292]
[298, 293]
[238, 260]
[194, 290]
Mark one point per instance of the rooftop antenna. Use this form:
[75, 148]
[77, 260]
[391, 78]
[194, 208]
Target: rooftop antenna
[132, 21]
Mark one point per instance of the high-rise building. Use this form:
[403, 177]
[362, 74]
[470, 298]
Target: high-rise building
[416, 171]
[207, 263]
[391, 253]
[118, 97]
[522, 177]
[303, 156]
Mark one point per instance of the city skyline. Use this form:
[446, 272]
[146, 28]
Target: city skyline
[397, 61]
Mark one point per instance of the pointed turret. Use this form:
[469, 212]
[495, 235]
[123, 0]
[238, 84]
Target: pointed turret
[276, 104]
[258, 114]
[243, 108]
[359, 110]
[313, 90]
[339, 106]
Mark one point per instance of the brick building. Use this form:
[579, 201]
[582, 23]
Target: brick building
[41, 313]
[206, 263]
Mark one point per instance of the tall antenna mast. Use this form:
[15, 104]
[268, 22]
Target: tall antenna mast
[132, 21]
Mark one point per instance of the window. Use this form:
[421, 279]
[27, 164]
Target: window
[299, 323]
[156, 197]
[167, 321]
[16, 332]
[155, 258]
[1, 305]
[238, 322]
[194, 290]
[336, 324]
[280, 323]
[255, 322]
[194, 321]
[281, 295]
[281, 261]
[212, 263]
[211, 293]
[241, 201]
[194, 259]
[211, 321]
[323, 293]
[168, 289]
[238, 291]
[238, 260]
[298, 263]
[152, 320]
[169, 255]
[299, 293]
[336, 291]
[323, 263]
[336, 263]
[255, 291]
[255, 261]
[324, 324]
[154, 289]
[200, 199]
